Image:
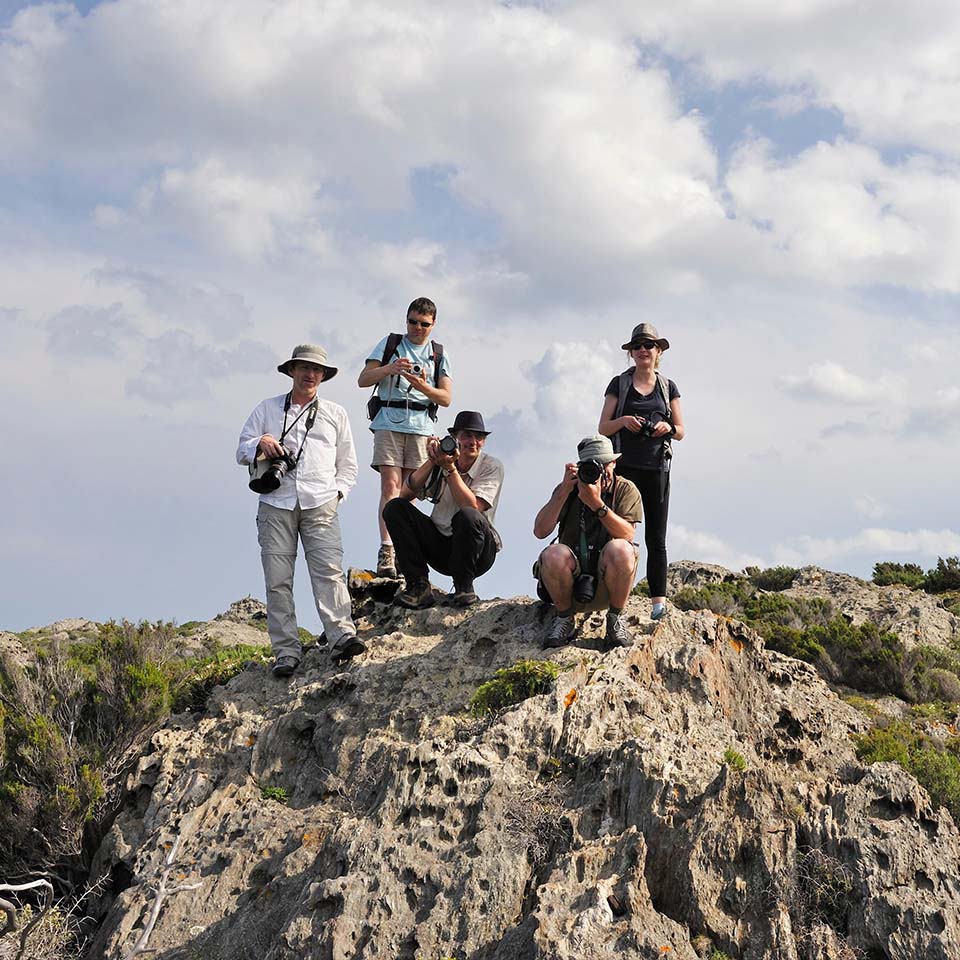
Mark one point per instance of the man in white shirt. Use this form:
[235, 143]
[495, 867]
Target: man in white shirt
[458, 538]
[299, 496]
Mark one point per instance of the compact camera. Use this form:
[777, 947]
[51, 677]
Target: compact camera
[417, 369]
[449, 445]
[267, 473]
[589, 471]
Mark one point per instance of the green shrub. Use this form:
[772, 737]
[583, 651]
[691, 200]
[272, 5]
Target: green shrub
[511, 685]
[641, 589]
[936, 767]
[734, 760]
[773, 578]
[199, 675]
[725, 598]
[906, 574]
[277, 794]
[945, 576]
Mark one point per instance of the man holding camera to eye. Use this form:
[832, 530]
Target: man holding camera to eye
[593, 562]
[302, 463]
[458, 538]
[410, 374]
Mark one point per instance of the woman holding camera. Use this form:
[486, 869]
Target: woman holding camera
[641, 414]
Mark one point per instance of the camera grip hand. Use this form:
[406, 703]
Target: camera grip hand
[589, 494]
[633, 424]
[270, 447]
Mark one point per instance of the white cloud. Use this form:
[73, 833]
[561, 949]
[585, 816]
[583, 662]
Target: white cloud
[831, 382]
[839, 213]
[875, 542]
[871, 507]
[889, 67]
[687, 544]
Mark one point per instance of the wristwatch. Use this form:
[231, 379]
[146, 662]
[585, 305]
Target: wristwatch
[601, 512]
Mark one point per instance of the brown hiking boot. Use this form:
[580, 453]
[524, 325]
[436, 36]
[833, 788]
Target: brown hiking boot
[416, 596]
[387, 562]
[463, 594]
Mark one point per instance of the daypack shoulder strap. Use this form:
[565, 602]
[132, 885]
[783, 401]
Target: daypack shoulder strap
[623, 388]
[437, 360]
[664, 386]
[393, 341]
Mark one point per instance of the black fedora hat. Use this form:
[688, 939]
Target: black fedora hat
[469, 420]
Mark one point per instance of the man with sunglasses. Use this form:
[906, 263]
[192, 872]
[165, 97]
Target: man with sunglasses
[411, 383]
[458, 538]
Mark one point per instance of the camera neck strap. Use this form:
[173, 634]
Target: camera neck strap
[588, 550]
[310, 410]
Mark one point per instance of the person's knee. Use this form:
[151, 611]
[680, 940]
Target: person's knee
[395, 508]
[468, 518]
[556, 561]
[391, 480]
[620, 556]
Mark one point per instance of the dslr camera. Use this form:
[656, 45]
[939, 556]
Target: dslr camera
[267, 473]
[449, 446]
[589, 471]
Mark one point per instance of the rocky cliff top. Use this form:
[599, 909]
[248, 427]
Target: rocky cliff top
[697, 795]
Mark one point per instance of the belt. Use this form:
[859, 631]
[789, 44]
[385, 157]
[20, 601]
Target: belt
[405, 405]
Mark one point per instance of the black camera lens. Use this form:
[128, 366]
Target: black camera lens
[588, 471]
[449, 445]
[274, 475]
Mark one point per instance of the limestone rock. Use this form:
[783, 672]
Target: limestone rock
[597, 819]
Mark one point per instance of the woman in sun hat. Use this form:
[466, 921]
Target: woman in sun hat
[641, 415]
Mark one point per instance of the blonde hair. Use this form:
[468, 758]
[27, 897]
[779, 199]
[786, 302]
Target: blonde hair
[656, 359]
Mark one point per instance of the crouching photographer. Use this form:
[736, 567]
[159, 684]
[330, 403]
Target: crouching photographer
[458, 538]
[592, 563]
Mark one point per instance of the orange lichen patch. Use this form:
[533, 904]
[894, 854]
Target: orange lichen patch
[251, 740]
[570, 698]
[666, 949]
[311, 840]
[363, 575]
[736, 644]
[952, 729]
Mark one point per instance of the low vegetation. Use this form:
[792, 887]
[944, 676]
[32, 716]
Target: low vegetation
[943, 578]
[934, 761]
[67, 717]
[512, 685]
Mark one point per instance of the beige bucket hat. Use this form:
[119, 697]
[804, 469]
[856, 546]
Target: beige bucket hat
[646, 331]
[309, 353]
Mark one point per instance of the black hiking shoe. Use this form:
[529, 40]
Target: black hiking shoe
[618, 634]
[285, 667]
[346, 648]
[560, 633]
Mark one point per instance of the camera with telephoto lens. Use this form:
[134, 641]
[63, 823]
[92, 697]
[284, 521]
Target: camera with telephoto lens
[584, 588]
[589, 471]
[449, 445]
[267, 473]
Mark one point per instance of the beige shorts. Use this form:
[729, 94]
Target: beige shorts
[601, 599]
[392, 449]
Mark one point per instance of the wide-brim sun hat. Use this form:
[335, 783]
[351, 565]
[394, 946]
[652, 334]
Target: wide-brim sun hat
[309, 353]
[468, 420]
[646, 331]
[598, 447]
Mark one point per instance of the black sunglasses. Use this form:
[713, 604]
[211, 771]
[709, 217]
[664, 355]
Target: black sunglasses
[646, 344]
[420, 323]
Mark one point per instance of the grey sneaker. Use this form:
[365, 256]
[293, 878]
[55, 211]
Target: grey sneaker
[618, 634]
[658, 612]
[285, 667]
[560, 632]
[387, 562]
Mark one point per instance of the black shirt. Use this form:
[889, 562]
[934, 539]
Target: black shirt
[640, 452]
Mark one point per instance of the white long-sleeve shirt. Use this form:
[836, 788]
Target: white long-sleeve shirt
[328, 465]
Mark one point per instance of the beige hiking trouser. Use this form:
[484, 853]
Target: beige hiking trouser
[319, 530]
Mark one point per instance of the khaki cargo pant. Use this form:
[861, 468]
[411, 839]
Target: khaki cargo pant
[319, 530]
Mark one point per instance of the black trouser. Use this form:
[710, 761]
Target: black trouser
[469, 553]
[654, 523]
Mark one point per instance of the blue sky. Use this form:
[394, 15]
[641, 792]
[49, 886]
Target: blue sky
[188, 189]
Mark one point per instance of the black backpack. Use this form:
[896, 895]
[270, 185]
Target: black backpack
[375, 404]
